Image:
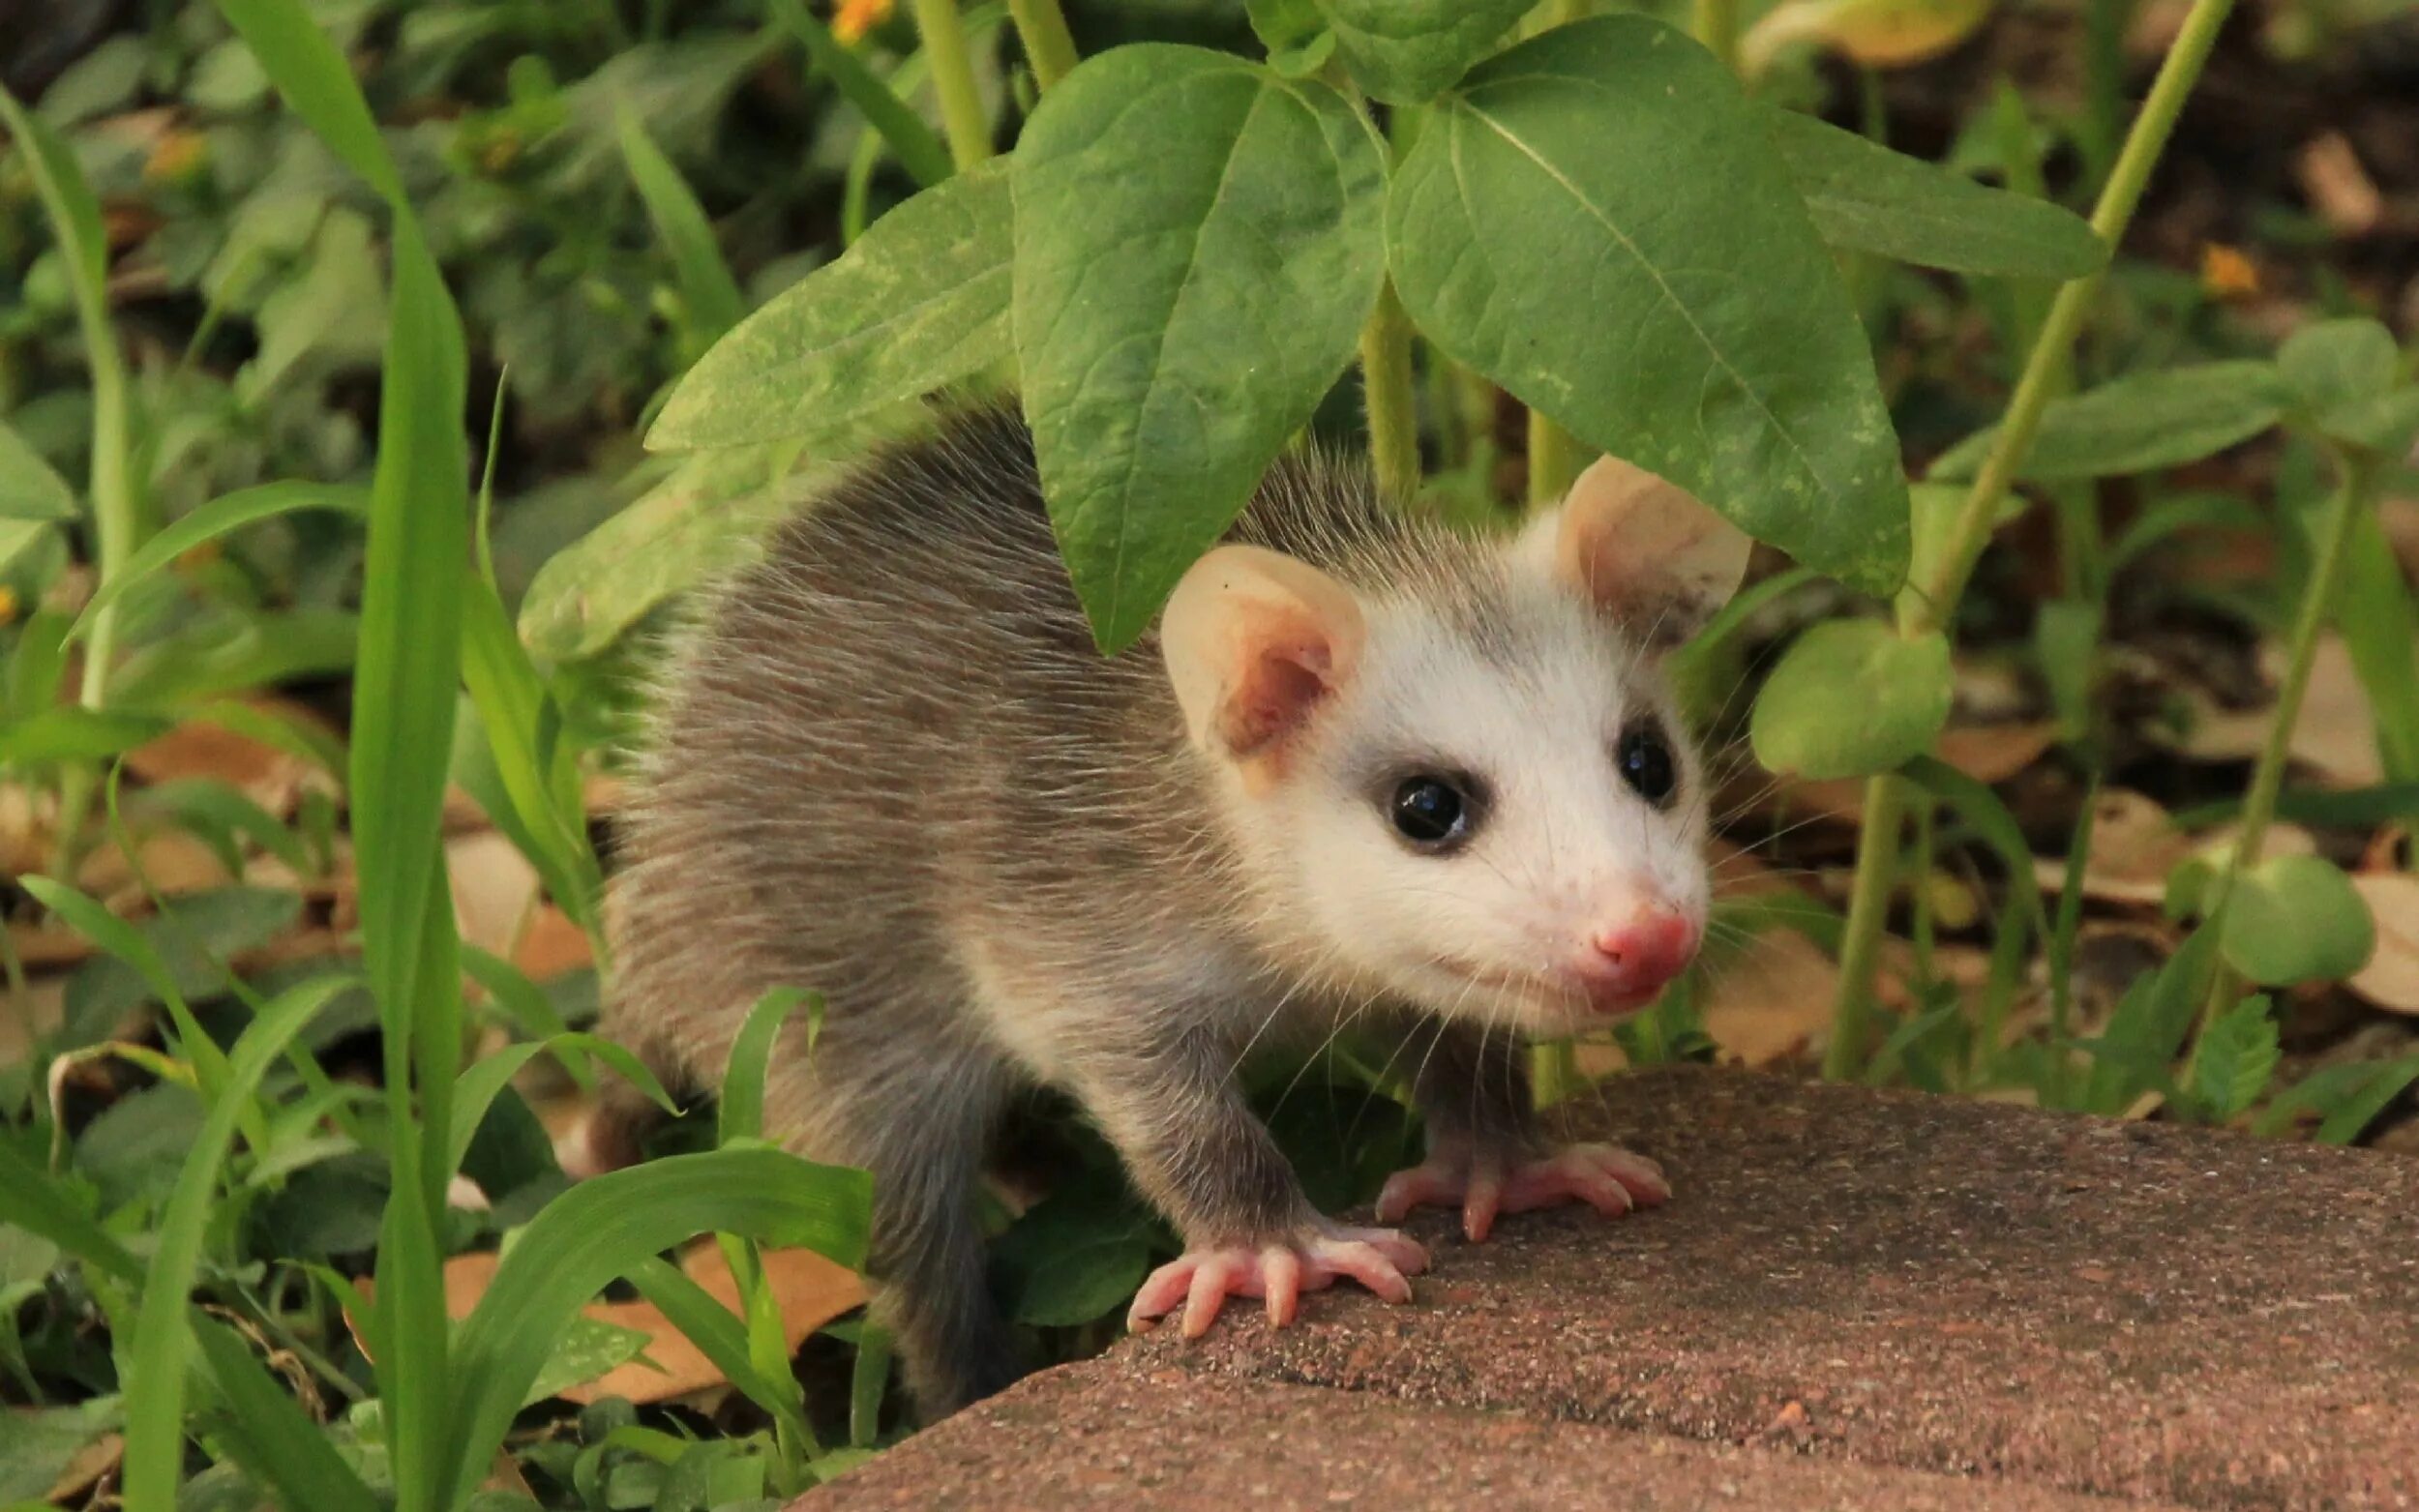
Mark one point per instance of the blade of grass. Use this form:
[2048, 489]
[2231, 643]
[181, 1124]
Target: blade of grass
[519, 1000]
[32, 1199]
[603, 1228]
[155, 1382]
[706, 286]
[220, 516]
[742, 1115]
[722, 1338]
[915, 144]
[262, 1430]
[488, 1075]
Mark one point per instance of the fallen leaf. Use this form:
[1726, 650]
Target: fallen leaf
[174, 861]
[812, 1290]
[85, 1470]
[551, 945]
[1989, 754]
[269, 777]
[2337, 187]
[1765, 1003]
[494, 888]
[2391, 978]
[2335, 737]
[2401, 519]
[2134, 847]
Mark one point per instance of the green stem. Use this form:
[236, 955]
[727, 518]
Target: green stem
[1929, 604]
[2359, 475]
[1859, 946]
[962, 116]
[1553, 459]
[1048, 46]
[1715, 24]
[1385, 385]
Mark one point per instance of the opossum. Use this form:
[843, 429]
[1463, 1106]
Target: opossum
[1369, 770]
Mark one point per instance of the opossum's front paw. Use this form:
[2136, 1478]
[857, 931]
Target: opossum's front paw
[1202, 1280]
[1607, 1178]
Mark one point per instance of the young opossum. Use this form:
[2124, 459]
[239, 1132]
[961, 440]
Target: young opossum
[1368, 770]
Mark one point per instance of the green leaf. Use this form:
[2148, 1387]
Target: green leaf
[266, 1432]
[72, 732]
[1069, 1264]
[2344, 376]
[34, 1199]
[1598, 220]
[706, 286]
[1405, 51]
[2237, 1056]
[1866, 198]
[587, 1348]
[179, 953]
[721, 1337]
[485, 1077]
[1197, 240]
[2379, 622]
[1294, 33]
[317, 84]
[163, 1342]
[2148, 1026]
[2347, 1098]
[220, 516]
[921, 300]
[35, 1445]
[742, 1109]
[2296, 919]
[705, 521]
[29, 488]
[605, 1227]
[2164, 418]
[2066, 636]
[1849, 699]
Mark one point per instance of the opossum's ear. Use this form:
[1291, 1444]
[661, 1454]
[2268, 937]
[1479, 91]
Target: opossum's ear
[1642, 550]
[1253, 640]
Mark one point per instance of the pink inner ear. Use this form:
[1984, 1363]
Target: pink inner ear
[1280, 686]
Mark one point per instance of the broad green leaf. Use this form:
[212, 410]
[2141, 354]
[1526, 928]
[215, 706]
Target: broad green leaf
[1404, 51]
[2342, 375]
[1197, 240]
[2139, 424]
[1068, 1262]
[220, 516]
[29, 488]
[1865, 197]
[163, 1342]
[703, 520]
[2236, 1058]
[1644, 273]
[712, 296]
[72, 732]
[919, 301]
[587, 1348]
[37, 1444]
[1851, 698]
[605, 1227]
[2296, 919]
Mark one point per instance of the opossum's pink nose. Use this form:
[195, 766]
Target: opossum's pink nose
[1633, 959]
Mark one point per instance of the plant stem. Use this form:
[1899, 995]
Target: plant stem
[1553, 459]
[1860, 945]
[962, 116]
[1715, 24]
[1386, 386]
[1048, 46]
[1929, 605]
[2359, 474]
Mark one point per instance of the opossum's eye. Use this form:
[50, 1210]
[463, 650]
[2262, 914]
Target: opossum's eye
[1646, 764]
[1433, 812]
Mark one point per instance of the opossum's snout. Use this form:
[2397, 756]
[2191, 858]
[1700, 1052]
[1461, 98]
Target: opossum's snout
[1623, 966]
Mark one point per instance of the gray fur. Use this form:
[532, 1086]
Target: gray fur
[890, 767]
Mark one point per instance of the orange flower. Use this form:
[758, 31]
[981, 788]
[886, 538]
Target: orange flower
[2226, 272]
[855, 17]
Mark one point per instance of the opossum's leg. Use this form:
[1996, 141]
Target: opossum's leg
[1485, 1153]
[918, 1116]
[1173, 1114]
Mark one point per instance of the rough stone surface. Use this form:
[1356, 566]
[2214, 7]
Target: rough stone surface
[1929, 1286]
[1124, 1435]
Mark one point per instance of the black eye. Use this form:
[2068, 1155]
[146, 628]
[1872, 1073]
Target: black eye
[1646, 764]
[1430, 812]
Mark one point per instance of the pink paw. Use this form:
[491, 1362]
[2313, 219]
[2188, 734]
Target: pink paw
[1608, 1179]
[1202, 1280]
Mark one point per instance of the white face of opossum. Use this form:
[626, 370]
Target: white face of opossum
[1487, 808]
